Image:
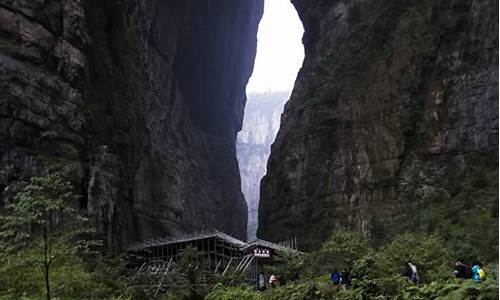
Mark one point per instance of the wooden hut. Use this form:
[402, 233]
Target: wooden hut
[221, 253]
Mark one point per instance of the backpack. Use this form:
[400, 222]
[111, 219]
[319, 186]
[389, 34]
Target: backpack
[482, 274]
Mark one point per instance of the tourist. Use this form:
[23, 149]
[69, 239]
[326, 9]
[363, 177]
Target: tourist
[482, 272]
[262, 282]
[411, 272]
[273, 280]
[345, 280]
[475, 273]
[478, 272]
[335, 277]
[462, 270]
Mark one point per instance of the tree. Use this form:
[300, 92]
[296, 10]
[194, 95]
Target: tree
[427, 252]
[42, 222]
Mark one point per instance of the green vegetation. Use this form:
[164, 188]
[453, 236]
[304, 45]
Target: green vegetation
[41, 229]
[375, 273]
[49, 250]
[462, 209]
[221, 292]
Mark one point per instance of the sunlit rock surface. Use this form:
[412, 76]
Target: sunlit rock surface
[137, 102]
[392, 96]
[260, 125]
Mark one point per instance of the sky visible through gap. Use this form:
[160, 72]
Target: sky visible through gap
[279, 48]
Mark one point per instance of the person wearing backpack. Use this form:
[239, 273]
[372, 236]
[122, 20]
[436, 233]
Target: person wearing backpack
[460, 269]
[335, 277]
[481, 272]
[475, 273]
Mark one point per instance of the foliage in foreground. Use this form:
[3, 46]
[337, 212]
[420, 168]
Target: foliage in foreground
[48, 247]
[75, 272]
[320, 289]
[72, 278]
[375, 273]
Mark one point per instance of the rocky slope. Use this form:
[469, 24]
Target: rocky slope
[138, 102]
[260, 125]
[393, 96]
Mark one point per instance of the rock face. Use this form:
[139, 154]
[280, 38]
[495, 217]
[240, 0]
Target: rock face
[392, 96]
[260, 125]
[138, 102]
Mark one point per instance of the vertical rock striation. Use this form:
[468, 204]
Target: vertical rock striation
[260, 125]
[392, 96]
[139, 103]
[42, 84]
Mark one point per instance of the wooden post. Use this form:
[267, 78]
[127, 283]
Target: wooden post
[202, 256]
[254, 270]
[216, 253]
[212, 253]
[207, 251]
[223, 254]
[209, 263]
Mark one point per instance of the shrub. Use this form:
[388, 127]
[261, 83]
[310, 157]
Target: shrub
[340, 251]
[427, 252]
[287, 265]
[220, 292]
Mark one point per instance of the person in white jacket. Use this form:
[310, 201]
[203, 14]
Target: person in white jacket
[273, 280]
[412, 272]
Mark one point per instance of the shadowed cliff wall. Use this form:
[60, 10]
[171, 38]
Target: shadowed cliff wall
[137, 102]
[392, 96]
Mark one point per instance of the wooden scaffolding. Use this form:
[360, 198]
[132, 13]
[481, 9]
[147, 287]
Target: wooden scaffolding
[222, 254]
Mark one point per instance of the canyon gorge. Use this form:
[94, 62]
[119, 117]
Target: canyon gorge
[260, 125]
[139, 105]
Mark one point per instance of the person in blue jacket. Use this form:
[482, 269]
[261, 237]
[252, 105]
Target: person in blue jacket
[475, 273]
[335, 277]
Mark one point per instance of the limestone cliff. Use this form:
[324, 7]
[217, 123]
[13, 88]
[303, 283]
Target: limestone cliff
[392, 97]
[138, 102]
[260, 125]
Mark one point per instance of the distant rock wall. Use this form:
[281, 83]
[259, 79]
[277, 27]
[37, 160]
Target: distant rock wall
[392, 96]
[260, 125]
[138, 103]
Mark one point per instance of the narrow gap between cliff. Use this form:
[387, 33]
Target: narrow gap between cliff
[279, 56]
